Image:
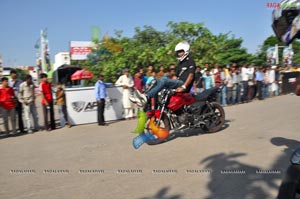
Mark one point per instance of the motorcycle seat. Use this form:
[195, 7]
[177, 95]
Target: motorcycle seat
[205, 94]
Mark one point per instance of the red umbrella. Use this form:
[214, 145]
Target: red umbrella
[82, 74]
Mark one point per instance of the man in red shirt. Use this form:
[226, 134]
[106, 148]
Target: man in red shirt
[138, 81]
[138, 85]
[8, 103]
[47, 102]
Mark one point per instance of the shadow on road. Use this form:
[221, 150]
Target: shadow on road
[163, 194]
[232, 179]
[191, 132]
[283, 161]
[290, 145]
[4, 135]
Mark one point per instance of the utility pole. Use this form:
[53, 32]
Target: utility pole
[1, 67]
[277, 52]
[42, 47]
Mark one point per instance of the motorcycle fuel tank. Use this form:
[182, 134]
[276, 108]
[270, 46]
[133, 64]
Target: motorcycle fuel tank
[180, 99]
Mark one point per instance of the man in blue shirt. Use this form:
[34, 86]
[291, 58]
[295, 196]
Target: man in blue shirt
[100, 93]
[208, 82]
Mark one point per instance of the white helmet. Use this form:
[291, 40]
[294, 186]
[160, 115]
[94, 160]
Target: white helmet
[185, 46]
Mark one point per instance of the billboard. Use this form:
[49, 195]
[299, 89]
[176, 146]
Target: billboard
[288, 55]
[82, 108]
[272, 54]
[80, 49]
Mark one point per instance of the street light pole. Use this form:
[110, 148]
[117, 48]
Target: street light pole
[277, 54]
[42, 49]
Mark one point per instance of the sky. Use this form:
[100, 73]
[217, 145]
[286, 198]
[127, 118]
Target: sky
[71, 20]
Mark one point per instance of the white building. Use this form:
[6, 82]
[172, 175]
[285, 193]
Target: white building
[61, 58]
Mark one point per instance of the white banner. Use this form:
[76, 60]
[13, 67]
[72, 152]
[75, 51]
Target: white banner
[80, 49]
[82, 105]
[272, 55]
[288, 55]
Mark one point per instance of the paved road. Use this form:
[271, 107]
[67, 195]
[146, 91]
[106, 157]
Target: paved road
[246, 160]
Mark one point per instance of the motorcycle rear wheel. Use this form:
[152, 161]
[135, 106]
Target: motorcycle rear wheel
[215, 122]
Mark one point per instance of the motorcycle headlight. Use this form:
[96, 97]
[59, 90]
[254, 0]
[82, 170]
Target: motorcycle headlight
[295, 159]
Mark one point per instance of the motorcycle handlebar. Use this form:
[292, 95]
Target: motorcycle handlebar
[172, 91]
[221, 87]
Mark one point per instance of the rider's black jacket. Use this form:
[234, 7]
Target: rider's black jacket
[185, 67]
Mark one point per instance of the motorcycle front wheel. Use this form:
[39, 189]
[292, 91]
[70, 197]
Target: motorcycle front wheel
[290, 186]
[164, 123]
[215, 118]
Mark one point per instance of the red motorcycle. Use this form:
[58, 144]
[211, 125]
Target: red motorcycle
[178, 112]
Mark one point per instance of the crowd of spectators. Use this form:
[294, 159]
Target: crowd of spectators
[18, 102]
[239, 84]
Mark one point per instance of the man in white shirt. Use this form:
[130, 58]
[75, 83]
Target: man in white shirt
[272, 81]
[126, 82]
[26, 96]
[245, 79]
[251, 86]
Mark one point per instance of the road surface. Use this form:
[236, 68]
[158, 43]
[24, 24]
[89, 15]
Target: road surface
[245, 160]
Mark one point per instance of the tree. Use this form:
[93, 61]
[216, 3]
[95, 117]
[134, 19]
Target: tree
[149, 46]
[232, 52]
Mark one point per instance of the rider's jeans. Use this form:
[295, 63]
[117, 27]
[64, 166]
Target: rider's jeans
[164, 83]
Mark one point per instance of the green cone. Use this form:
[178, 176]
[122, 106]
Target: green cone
[142, 119]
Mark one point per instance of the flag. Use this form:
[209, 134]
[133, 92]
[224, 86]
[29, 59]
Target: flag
[95, 33]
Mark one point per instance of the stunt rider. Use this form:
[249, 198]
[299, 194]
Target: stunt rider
[185, 77]
[185, 74]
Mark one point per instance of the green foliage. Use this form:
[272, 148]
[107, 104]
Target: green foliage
[21, 73]
[149, 46]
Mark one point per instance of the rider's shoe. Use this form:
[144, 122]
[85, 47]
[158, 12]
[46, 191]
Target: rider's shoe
[143, 99]
[136, 101]
[133, 99]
